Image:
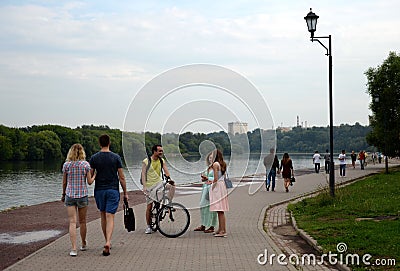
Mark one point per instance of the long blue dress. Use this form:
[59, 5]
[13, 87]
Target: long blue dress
[208, 219]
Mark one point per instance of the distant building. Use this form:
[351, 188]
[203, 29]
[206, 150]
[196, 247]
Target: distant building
[237, 127]
[284, 129]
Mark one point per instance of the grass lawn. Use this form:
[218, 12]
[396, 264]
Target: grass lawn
[364, 215]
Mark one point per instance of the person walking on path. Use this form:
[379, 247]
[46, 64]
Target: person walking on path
[379, 157]
[361, 157]
[373, 157]
[317, 161]
[208, 219]
[109, 175]
[287, 170]
[152, 176]
[218, 192]
[327, 158]
[365, 158]
[342, 164]
[271, 164]
[76, 176]
[353, 159]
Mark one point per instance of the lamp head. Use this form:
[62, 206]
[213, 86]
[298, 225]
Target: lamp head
[311, 20]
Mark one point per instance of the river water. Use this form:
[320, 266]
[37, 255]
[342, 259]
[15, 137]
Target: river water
[30, 183]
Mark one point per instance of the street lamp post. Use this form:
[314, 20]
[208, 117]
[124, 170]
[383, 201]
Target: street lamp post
[311, 20]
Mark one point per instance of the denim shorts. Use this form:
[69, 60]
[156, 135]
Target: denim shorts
[78, 202]
[107, 200]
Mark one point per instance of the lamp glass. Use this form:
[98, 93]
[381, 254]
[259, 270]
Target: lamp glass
[311, 20]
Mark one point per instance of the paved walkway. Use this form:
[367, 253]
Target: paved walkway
[194, 250]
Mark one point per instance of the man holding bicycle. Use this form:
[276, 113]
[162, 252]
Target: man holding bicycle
[153, 170]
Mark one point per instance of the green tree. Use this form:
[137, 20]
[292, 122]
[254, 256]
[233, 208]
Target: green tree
[67, 135]
[6, 150]
[384, 89]
[44, 145]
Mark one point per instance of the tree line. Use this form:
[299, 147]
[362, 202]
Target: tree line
[52, 142]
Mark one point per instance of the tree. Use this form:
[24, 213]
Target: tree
[6, 151]
[44, 145]
[384, 89]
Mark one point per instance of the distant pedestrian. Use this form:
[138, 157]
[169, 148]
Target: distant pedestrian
[342, 163]
[317, 161]
[271, 164]
[353, 159]
[76, 176]
[219, 193]
[327, 158]
[109, 175]
[361, 158]
[373, 157]
[365, 158]
[287, 170]
[208, 219]
[379, 157]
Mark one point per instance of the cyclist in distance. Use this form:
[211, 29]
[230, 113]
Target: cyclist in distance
[152, 177]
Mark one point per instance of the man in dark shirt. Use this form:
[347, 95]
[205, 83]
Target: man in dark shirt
[109, 175]
[271, 164]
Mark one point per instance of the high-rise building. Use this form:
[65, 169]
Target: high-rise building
[237, 127]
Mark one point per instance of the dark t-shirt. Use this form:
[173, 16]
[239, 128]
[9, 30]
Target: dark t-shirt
[106, 165]
[271, 161]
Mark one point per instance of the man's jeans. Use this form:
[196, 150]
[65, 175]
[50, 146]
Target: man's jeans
[317, 167]
[362, 164]
[327, 167]
[342, 169]
[271, 174]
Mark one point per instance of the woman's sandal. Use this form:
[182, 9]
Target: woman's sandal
[201, 228]
[221, 234]
[106, 251]
[209, 230]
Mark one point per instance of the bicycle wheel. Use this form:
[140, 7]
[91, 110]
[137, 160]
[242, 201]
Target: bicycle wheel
[173, 220]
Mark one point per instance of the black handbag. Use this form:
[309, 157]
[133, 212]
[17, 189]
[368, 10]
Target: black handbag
[129, 217]
[292, 180]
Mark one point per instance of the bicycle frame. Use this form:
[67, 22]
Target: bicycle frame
[170, 218]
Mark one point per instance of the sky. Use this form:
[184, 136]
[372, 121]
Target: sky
[73, 63]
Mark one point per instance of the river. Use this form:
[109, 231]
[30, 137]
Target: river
[30, 183]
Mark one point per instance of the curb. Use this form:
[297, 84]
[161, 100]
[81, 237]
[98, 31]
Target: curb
[303, 234]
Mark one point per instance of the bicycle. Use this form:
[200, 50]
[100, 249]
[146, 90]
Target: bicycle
[171, 219]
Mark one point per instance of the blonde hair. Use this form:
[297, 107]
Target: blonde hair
[76, 153]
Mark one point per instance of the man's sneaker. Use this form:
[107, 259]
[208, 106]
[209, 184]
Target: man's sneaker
[148, 231]
[267, 187]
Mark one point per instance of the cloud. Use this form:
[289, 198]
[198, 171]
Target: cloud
[124, 45]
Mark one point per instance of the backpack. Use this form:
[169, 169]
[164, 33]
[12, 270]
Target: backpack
[148, 166]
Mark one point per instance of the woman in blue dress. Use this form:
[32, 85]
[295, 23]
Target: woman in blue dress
[208, 218]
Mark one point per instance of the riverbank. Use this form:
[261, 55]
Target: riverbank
[50, 218]
[194, 250]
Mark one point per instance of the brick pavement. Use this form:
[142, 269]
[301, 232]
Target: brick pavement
[194, 250]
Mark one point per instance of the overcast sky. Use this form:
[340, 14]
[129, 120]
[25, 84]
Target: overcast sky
[84, 62]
